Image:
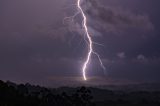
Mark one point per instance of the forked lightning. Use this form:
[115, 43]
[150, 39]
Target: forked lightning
[90, 42]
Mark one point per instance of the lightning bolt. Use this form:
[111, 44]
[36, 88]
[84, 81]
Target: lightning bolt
[90, 42]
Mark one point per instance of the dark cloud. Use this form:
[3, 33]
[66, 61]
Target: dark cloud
[111, 20]
[116, 19]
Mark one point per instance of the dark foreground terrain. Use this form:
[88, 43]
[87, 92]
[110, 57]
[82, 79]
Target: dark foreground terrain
[28, 95]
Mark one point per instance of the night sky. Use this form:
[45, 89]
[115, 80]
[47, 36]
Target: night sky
[38, 45]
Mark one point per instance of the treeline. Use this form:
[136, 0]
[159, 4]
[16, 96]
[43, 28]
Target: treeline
[12, 94]
[23, 95]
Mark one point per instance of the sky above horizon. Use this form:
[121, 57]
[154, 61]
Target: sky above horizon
[40, 46]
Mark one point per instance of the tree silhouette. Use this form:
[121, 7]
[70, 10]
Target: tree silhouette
[28, 95]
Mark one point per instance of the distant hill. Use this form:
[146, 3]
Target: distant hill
[132, 87]
[12, 94]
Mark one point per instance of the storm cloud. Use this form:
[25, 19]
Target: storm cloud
[112, 19]
[37, 47]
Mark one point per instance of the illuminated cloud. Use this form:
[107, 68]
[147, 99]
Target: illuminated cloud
[121, 55]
